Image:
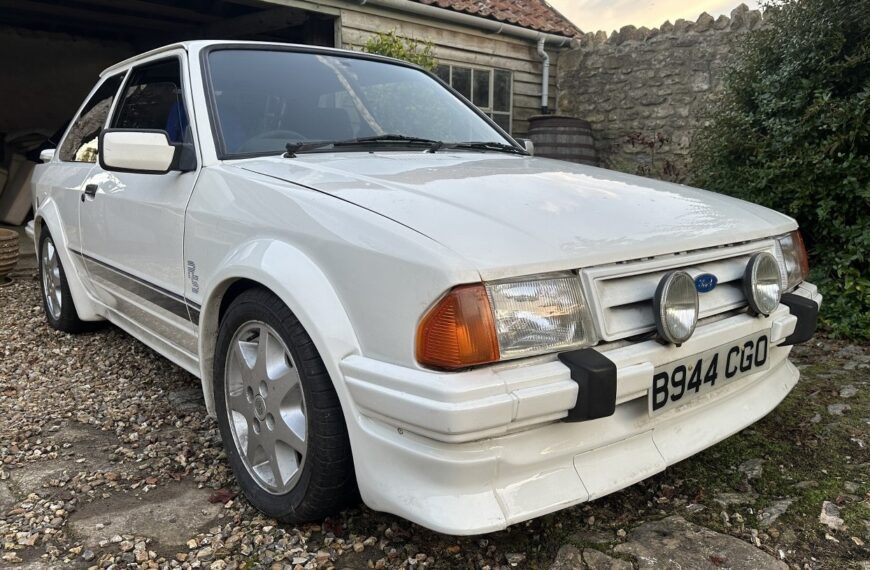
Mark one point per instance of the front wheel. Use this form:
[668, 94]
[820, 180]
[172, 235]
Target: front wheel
[278, 413]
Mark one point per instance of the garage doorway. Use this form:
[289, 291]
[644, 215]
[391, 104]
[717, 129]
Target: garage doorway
[52, 51]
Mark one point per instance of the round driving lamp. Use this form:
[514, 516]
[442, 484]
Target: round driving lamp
[676, 307]
[762, 283]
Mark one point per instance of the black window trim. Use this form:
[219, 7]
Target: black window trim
[211, 102]
[187, 104]
[100, 82]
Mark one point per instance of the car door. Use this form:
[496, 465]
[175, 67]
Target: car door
[132, 224]
[64, 179]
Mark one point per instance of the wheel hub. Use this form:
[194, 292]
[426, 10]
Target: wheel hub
[260, 407]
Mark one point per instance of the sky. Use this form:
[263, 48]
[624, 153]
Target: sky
[609, 15]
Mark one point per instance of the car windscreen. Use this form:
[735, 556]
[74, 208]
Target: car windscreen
[264, 99]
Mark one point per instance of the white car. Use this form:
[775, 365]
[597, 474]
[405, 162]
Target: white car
[381, 290]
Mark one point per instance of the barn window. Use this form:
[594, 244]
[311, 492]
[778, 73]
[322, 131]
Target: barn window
[489, 89]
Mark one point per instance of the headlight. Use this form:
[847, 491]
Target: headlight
[541, 315]
[762, 283]
[483, 323]
[676, 307]
[795, 264]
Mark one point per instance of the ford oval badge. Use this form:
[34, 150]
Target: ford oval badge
[705, 282]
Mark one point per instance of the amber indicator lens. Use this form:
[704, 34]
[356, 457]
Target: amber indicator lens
[795, 262]
[458, 331]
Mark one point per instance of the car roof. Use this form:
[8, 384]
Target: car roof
[198, 45]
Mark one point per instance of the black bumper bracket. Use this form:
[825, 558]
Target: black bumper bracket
[807, 313]
[595, 375]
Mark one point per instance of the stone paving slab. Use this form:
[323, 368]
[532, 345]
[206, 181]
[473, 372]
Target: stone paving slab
[168, 515]
[676, 543]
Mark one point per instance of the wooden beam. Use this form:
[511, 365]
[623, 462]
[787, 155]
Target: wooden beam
[155, 10]
[88, 16]
[307, 5]
[261, 22]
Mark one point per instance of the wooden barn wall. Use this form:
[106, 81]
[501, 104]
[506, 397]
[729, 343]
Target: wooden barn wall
[463, 46]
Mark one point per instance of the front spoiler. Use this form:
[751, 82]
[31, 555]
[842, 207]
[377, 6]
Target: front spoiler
[485, 485]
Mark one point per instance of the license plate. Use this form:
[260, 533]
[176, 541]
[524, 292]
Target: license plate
[677, 382]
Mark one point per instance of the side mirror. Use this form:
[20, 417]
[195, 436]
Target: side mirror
[529, 145]
[145, 152]
[46, 155]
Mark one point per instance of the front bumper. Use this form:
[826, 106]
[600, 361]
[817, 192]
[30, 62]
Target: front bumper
[476, 451]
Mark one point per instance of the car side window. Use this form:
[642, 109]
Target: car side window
[153, 100]
[80, 144]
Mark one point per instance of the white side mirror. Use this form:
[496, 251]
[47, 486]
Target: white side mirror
[529, 146]
[147, 152]
[46, 155]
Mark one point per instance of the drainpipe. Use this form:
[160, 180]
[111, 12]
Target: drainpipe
[545, 82]
[491, 26]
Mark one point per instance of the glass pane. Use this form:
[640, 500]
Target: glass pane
[501, 91]
[462, 81]
[260, 105]
[481, 88]
[443, 72]
[80, 144]
[152, 100]
[503, 120]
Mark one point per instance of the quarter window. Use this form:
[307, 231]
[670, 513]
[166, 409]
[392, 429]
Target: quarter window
[80, 144]
[153, 101]
[489, 89]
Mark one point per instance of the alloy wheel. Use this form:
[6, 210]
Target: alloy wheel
[266, 407]
[51, 286]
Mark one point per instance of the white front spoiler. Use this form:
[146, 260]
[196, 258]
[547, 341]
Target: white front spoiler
[488, 484]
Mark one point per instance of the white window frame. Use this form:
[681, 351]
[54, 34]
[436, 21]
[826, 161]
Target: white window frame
[489, 109]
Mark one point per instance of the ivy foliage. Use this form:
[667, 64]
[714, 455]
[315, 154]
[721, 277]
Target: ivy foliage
[792, 132]
[414, 51]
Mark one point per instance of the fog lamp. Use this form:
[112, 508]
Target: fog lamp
[676, 307]
[762, 283]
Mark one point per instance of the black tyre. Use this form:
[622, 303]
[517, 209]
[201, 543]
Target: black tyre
[60, 311]
[278, 413]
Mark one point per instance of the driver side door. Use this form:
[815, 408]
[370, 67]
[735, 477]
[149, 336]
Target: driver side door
[132, 223]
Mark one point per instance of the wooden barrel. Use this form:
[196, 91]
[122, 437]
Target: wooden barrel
[8, 251]
[563, 138]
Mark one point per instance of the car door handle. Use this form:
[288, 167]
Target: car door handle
[90, 190]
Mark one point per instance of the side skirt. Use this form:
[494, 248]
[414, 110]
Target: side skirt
[166, 349]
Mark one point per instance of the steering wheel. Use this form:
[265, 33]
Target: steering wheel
[266, 141]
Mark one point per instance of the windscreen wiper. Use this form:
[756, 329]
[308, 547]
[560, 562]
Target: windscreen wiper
[488, 145]
[293, 148]
[394, 138]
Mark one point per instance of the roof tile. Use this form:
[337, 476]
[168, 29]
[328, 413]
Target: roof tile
[535, 15]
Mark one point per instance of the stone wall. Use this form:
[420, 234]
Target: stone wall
[646, 92]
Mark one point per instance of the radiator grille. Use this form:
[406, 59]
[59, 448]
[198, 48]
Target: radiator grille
[622, 294]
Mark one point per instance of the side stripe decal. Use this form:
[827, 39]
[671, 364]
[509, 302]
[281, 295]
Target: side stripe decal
[166, 300]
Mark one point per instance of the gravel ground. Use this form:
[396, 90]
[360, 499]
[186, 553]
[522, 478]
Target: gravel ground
[108, 459]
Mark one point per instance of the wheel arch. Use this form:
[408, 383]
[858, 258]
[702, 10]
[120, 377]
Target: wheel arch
[47, 218]
[301, 285]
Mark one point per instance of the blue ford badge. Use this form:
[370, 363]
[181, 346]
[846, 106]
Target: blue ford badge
[705, 282]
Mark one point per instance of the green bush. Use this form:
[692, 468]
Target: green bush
[792, 132]
[391, 44]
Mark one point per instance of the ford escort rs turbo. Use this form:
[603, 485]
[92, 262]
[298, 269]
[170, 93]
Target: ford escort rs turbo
[384, 293]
